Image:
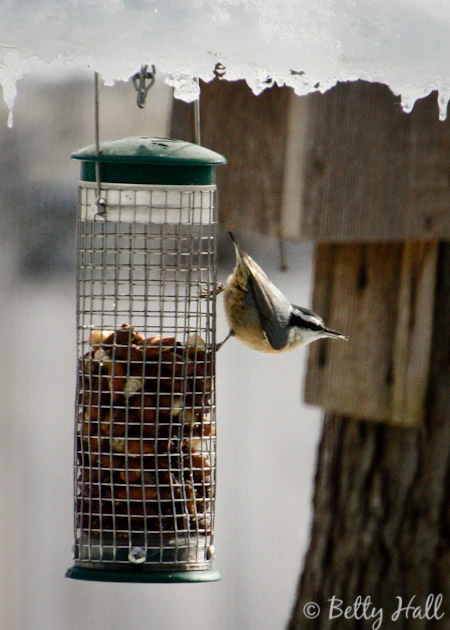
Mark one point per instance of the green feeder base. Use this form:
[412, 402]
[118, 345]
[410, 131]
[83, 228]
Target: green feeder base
[162, 577]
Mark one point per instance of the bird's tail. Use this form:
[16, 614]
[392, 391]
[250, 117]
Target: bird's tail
[239, 253]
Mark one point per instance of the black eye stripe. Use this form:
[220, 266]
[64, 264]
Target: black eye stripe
[301, 322]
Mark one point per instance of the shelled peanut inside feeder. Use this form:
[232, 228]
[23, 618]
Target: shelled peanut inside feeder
[145, 436]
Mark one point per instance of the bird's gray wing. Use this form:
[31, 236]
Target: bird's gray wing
[273, 307]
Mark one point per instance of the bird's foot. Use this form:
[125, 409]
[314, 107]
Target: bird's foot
[209, 293]
[219, 345]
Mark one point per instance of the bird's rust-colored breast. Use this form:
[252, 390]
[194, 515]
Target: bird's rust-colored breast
[243, 319]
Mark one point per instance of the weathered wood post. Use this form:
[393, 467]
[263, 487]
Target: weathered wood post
[377, 200]
[371, 186]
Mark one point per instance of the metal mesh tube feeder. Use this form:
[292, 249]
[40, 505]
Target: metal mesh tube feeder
[145, 439]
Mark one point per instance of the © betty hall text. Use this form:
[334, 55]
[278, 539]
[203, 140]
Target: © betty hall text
[365, 609]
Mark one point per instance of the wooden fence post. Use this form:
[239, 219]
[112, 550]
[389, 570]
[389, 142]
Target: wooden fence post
[382, 495]
[382, 503]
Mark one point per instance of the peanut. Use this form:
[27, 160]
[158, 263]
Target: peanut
[116, 379]
[132, 472]
[200, 385]
[170, 405]
[141, 447]
[97, 338]
[118, 445]
[136, 493]
[116, 427]
[158, 340]
[132, 386]
[195, 341]
[118, 343]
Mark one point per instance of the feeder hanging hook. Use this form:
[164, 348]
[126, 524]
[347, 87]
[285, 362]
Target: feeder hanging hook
[143, 81]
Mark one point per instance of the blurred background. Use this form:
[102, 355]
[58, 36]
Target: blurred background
[267, 438]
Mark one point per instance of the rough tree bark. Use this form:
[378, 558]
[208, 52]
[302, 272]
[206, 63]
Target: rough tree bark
[381, 524]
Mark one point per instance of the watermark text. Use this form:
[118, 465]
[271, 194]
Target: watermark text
[364, 608]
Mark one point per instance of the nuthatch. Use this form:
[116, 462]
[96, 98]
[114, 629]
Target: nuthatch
[261, 317]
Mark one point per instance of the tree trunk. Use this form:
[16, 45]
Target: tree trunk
[381, 524]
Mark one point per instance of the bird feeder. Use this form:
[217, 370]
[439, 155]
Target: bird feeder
[145, 406]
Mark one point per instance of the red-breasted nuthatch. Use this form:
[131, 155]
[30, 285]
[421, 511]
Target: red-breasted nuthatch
[261, 317]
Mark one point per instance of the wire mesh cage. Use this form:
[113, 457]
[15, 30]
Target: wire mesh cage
[145, 438]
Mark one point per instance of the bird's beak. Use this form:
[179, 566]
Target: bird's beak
[334, 334]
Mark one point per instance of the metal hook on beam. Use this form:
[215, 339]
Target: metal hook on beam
[143, 81]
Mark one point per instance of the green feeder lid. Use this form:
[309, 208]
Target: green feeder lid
[143, 160]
